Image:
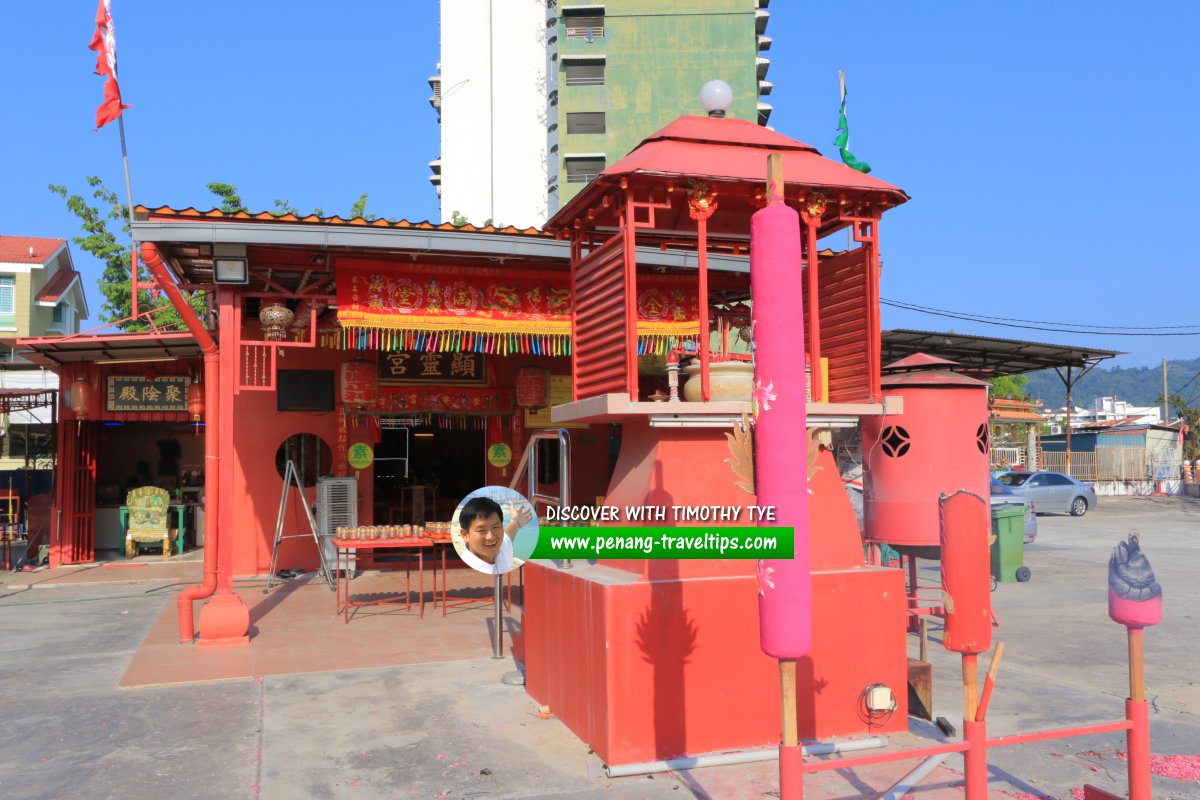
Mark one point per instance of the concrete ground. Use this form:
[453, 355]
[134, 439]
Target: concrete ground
[452, 730]
[1064, 661]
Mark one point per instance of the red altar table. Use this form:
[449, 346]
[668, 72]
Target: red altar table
[344, 546]
[442, 546]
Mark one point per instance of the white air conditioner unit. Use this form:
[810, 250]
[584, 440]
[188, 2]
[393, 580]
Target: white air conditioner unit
[337, 507]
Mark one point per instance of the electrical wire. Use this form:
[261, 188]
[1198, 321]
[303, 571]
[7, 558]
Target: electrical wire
[1041, 322]
[1189, 383]
[994, 321]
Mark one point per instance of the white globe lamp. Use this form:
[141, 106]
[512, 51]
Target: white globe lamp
[715, 98]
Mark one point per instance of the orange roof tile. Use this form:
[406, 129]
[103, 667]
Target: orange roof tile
[16, 249]
[312, 219]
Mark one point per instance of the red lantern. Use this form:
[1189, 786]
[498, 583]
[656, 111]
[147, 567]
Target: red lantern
[195, 404]
[81, 399]
[533, 387]
[360, 383]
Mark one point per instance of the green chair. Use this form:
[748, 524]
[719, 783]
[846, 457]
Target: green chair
[146, 518]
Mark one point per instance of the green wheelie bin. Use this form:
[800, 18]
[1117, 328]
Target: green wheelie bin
[1008, 551]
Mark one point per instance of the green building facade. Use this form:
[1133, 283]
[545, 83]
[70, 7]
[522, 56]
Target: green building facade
[620, 70]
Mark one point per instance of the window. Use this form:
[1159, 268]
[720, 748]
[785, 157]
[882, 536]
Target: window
[583, 170]
[584, 72]
[32, 441]
[58, 313]
[7, 304]
[588, 25]
[311, 455]
[585, 122]
[1057, 480]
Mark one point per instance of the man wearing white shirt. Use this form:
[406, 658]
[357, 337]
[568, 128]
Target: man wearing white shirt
[488, 540]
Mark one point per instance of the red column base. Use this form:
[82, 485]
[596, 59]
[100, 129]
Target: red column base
[791, 772]
[224, 620]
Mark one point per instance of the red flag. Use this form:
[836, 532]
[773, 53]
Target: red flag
[104, 42]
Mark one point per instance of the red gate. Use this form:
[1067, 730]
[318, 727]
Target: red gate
[74, 539]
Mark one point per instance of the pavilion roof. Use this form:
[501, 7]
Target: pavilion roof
[724, 150]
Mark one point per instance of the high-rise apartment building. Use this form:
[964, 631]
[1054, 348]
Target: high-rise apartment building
[528, 116]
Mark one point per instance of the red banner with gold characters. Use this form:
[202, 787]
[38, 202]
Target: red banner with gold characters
[441, 400]
[446, 308]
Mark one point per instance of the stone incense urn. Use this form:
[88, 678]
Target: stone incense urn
[727, 380]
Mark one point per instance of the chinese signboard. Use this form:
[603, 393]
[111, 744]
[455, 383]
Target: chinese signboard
[361, 456]
[499, 455]
[414, 366]
[136, 393]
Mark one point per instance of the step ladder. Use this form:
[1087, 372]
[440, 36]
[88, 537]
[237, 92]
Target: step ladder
[291, 479]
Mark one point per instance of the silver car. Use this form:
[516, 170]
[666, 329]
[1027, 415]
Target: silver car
[1052, 491]
[1002, 495]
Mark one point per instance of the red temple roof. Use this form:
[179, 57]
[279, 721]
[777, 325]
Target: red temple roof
[724, 150]
[191, 213]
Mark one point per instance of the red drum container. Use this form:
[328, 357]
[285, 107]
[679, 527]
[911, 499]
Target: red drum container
[938, 445]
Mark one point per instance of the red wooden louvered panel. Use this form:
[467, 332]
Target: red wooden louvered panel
[598, 286]
[845, 336]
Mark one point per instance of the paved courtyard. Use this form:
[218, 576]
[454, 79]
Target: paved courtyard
[451, 729]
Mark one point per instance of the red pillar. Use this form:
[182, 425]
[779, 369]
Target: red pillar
[225, 619]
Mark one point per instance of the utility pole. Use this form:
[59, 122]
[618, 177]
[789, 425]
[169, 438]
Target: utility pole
[1166, 405]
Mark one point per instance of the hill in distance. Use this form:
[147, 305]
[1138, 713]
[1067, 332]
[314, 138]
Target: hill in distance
[1139, 386]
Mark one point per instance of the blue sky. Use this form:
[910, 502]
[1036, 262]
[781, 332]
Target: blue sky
[1049, 148]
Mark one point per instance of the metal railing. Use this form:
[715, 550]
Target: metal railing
[528, 465]
[584, 31]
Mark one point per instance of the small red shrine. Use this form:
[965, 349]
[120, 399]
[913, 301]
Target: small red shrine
[647, 660]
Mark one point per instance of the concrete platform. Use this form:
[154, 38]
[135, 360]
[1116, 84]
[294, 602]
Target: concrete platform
[450, 729]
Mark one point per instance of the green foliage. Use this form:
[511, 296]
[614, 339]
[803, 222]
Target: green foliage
[1191, 415]
[231, 201]
[359, 209]
[283, 207]
[1012, 387]
[457, 219]
[116, 283]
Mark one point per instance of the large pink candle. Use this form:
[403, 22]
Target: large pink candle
[780, 433]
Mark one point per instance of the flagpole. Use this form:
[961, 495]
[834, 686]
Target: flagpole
[842, 98]
[129, 201]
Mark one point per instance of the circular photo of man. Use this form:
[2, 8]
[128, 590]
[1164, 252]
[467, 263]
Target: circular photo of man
[494, 529]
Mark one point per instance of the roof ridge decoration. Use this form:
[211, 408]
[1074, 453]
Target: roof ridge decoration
[191, 212]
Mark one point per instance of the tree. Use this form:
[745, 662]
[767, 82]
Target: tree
[359, 209]
[283, 207]
[116, 282]
[1012, 387]
[231, 201]
[1190, 415]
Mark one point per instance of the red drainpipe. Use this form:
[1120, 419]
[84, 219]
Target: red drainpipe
[212, 449]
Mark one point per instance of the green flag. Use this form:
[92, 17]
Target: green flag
[842, 142]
